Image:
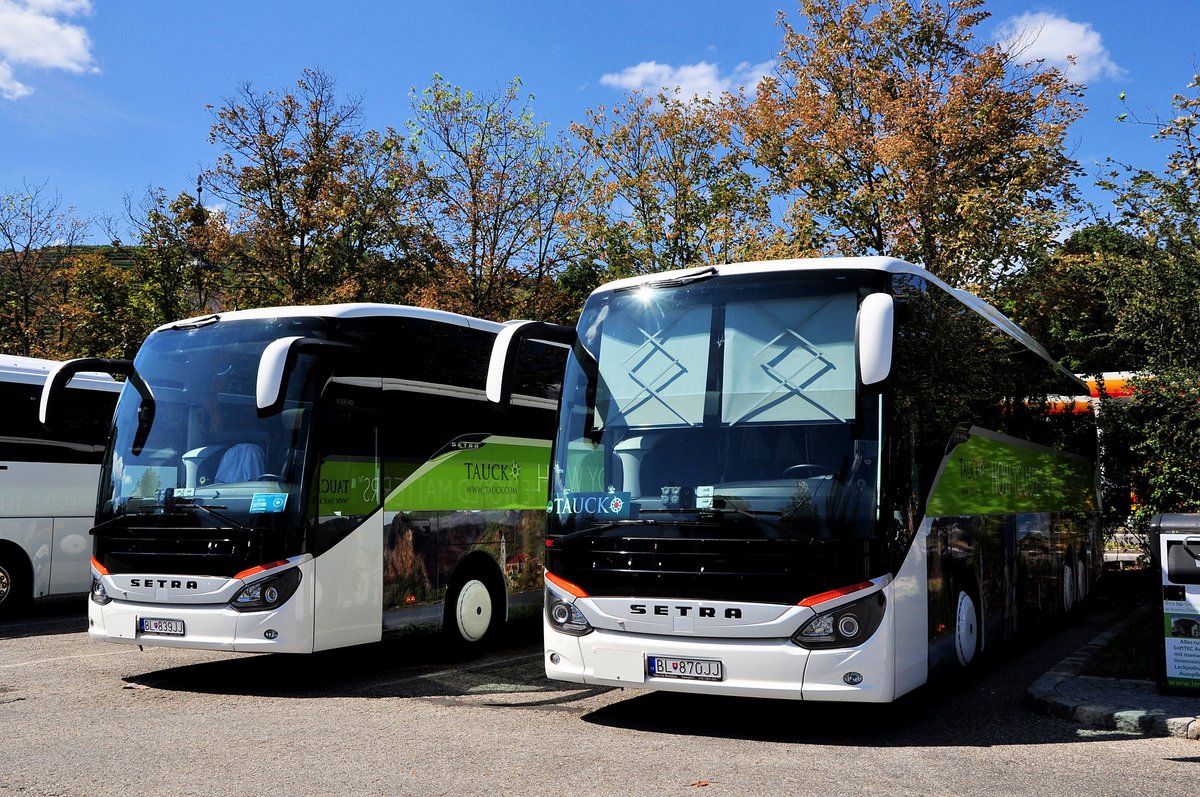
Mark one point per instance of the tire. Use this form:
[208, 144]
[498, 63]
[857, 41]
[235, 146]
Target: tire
[474, 610]
[1068, 594]
[16, 588]
[1081, 579]
[966, 629]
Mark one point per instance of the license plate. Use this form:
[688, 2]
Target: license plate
[160, 626]
[692, 669]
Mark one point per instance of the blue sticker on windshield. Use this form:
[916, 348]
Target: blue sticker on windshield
[600, 505]
[268, 502]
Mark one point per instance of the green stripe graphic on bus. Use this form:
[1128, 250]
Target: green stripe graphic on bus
[492, 473]
[990, 473]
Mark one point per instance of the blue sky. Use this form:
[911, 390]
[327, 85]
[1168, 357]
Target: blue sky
[100, 99]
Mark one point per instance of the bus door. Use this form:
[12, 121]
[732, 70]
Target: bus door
[347, 536]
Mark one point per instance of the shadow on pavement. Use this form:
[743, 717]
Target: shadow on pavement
[507, 672]
[48, 616]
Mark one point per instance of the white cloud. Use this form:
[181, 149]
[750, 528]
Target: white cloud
[1073, 47]
[692, 80]
[10, 87]
[32, 34]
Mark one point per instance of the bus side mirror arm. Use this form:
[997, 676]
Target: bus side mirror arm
[58, 379]
[276, 364]
[503, 363]
[876, 323]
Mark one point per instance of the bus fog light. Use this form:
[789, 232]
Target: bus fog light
[853, 678]
[271, 633]
[555, 658]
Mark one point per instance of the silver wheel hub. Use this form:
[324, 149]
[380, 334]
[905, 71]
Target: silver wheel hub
[966, 629]
[473, 610]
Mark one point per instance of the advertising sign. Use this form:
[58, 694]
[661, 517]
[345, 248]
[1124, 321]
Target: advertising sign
[1176, 545]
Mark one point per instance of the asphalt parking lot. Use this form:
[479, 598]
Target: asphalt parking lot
[404, 717]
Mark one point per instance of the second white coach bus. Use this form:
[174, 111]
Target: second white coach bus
[303, 478]
[48, 481]
[809, 479]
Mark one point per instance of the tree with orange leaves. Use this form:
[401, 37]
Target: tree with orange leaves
[890, 130]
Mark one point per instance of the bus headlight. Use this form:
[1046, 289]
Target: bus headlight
[564, 616]
[99, 594]
[849, 624]
[267, 594]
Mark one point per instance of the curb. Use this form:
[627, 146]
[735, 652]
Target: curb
[1125, 705]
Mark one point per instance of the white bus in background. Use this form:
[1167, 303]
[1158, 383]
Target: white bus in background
[808, 479]
[303, 478]
[48, 480]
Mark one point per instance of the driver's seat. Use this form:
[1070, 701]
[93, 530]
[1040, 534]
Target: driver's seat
[240, 463]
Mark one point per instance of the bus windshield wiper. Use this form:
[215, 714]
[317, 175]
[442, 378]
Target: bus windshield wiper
[172, 505]
[191, 502]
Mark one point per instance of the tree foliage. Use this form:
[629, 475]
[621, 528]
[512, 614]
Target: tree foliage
[37, 235]
[307, 186]
[891, 131]
[668, 188]
[1156, 302]
[493, 188]
[183, 262]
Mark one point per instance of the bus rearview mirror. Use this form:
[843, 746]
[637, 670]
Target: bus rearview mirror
[876, 318]
[58, 379]
[502, 365]
[276, 363]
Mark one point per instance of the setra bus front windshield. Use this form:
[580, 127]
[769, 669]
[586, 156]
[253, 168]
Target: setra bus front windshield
[724, 405]
[197, 444]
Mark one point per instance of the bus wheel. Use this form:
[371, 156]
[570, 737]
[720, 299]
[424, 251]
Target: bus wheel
[966, 629]
[1081, 575]
[1068, 596]
[473, 610]
[15, 590]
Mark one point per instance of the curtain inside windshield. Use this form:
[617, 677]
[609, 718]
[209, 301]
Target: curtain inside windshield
[789, 360]
[782, 360]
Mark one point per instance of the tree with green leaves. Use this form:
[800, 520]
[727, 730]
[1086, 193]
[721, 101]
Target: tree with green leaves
[182, 262]
[888, 129]
[1155, 300]
[307, 187]
[668, 188]
[1065, 299]
[37, 236]
[493, 188]
[99, 316]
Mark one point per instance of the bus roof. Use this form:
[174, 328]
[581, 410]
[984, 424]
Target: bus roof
[349, 310]
[34, 370]
[889, 265]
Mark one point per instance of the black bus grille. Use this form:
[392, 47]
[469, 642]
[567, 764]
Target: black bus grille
[182, 551]
[759, 570]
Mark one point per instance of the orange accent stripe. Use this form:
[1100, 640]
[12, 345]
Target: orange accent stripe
[99, 568]
[562, 583]
[261, 568]
[813, 600]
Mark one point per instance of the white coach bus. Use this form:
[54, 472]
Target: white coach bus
[810, 479]
[303, 478]
[48, 481]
